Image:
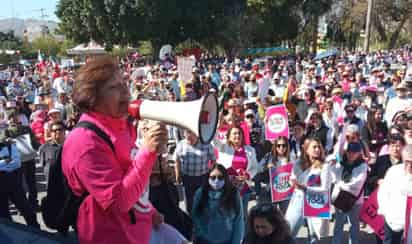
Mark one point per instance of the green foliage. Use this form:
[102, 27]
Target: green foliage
[212, 23]
[9, 41]
[47, 45]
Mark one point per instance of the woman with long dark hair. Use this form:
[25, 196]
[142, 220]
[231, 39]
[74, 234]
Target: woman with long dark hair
[217, 212]
[266, 225]
[278, 156]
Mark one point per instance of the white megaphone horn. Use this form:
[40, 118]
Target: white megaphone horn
[199, 116]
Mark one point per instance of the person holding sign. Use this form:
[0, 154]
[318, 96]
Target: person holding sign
[278, 156]
[350, 175]
[392, 195]
[239, 159]
[309, 173]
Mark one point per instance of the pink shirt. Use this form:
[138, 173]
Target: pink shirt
[115, 182]
[239, 166]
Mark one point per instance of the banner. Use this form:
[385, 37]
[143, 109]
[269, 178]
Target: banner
[408, 221]
[277, 123]
[316, 204]
[280, 186]
[184, 68]
[369, 214]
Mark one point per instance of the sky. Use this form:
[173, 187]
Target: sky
[28, 9]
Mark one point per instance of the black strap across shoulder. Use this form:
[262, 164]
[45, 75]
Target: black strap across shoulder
[97, 130]
[106, 138]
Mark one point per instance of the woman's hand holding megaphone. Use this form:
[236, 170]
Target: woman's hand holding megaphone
[155, 138]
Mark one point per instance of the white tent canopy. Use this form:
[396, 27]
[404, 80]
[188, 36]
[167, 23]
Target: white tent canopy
[84, 49]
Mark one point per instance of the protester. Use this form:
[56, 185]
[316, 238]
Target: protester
[117, 208]
[239, 159]
[278, 156]
[349, 175]
[27, 146]
[266, 225]
[11, 182]
[48, 152]
[192, 159]
[217, 210]
[311, 173]
[392, 194]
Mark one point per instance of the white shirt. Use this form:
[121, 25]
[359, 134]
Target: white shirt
[308, 176]
[354, 186]
[392, 196]
[394, 105]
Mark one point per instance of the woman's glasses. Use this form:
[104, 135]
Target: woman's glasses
[214, 177]
[281, 145]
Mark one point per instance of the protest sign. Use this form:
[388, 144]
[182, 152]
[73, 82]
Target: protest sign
[317, 204]
[369, 214]
[281, 188]
[277, 123]
[184, 68]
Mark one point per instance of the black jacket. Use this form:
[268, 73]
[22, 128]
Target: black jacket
[321, 134]
[378, 171]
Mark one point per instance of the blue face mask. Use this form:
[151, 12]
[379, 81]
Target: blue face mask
[216, 184]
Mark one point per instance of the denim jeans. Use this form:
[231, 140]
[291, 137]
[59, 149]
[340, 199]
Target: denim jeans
[245, 203]
[340, 220]
[294, 216]
[392, 237]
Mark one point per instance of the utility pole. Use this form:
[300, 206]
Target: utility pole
[368, 26]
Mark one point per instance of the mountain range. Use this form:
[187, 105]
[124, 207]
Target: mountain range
[34, 27]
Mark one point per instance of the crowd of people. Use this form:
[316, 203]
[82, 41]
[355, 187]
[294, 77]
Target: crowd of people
[350, 120]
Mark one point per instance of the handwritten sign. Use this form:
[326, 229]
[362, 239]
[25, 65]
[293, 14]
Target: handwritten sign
[369, 215]
[317, 204]
[281, 188]
[184, 68]
[277, 123]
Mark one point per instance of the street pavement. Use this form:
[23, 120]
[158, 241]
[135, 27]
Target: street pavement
[366, 235]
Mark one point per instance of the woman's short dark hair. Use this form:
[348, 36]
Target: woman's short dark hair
[94, 74]
[267, 211]
[229, 200]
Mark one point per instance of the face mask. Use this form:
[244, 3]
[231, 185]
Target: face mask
[216, 184]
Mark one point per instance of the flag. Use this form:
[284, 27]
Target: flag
[40, 57]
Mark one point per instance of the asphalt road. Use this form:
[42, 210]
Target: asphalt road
[366, 235]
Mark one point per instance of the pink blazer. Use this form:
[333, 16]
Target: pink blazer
[115, 182]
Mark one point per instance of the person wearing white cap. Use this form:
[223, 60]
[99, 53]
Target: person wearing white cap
[392, 194]
[54, 115]
[398, 103]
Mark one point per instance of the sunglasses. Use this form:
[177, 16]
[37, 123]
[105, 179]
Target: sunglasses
[214, 177]
[281, 145]
[250, 116]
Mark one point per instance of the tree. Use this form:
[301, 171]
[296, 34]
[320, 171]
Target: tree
[390, 18]
[228, 23]
[47, 45]
[9, 41]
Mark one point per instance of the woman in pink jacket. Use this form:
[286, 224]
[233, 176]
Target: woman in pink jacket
[117, 209]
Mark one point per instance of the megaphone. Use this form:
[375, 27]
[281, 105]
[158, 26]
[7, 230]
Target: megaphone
[199, 116]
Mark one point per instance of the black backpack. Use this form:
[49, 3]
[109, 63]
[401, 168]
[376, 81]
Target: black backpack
[60, 206]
